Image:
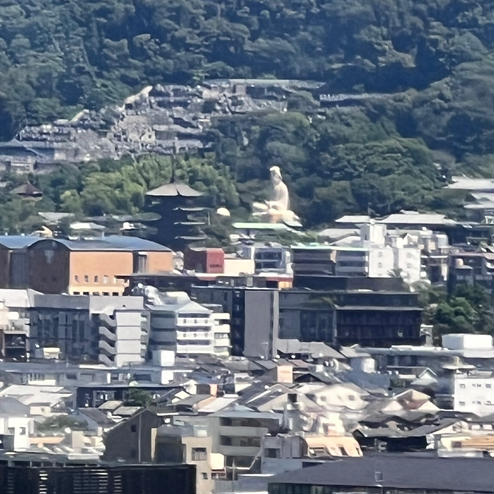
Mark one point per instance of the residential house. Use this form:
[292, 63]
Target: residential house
[133, 439]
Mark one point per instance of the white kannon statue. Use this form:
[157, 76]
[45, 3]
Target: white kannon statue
[277, 209]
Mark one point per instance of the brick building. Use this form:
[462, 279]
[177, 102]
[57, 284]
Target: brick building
[79, 267]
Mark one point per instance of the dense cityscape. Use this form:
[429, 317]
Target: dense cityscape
[246, 247]
[252, 360]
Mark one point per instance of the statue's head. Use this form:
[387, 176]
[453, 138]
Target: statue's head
[275, 174]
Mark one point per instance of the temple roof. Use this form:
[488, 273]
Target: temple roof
[174, 189]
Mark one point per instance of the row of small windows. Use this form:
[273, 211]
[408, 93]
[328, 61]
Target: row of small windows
[96, 279]
[475, 402]
[114, 294]
[476, 385]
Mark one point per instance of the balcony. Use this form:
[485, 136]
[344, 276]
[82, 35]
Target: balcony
[106, 333]
[107, 321]
[221, 328]
[193, 335]
[195, 349]
[106, 348]
[238, 450]
[105, 360]
[242, 431]
[193, 322]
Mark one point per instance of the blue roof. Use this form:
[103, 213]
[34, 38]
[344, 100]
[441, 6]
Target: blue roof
[17, 241]
[110, 242]
[114, 242]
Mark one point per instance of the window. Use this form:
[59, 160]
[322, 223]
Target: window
[462, 403]
[133, 428]
[76, 293]
[488, 386]
[199, 454]
[22, 431]
[462, 386]
[105, 279]
[115, 294]
[142, 263]
[272, 453]
[204, 475]
[86, 278]
[96, 278]
[76, 277]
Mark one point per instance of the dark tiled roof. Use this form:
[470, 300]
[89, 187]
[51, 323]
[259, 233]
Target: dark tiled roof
[12, 407]
[27, 190]
[97, 416]
[400, 472]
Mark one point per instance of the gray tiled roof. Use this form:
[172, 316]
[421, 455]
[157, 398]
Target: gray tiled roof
[400, 472]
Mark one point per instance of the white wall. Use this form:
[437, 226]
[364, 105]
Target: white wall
[20, 427]
[474, 394]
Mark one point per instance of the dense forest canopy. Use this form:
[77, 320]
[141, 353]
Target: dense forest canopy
[433, 59]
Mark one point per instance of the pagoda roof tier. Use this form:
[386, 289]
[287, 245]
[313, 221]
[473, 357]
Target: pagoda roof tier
[174, 189]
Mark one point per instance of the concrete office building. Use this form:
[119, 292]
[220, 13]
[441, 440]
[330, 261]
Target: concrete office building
[254, 316]
[110, 330]
[262, 319]
[53, 474]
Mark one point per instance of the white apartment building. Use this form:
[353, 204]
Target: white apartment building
[473, 392]
[188, 328]
[268, 256]
[123, 329]
[377, 254]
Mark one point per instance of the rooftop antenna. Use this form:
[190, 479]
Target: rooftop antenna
[174, 162]
[172, 180]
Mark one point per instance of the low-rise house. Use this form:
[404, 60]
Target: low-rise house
[42, 401]
[133, 439]
[16, 424]
[97, 420]
[191, 444]
[237, 433]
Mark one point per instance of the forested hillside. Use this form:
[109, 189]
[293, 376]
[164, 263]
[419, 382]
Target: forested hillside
[432, 58]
